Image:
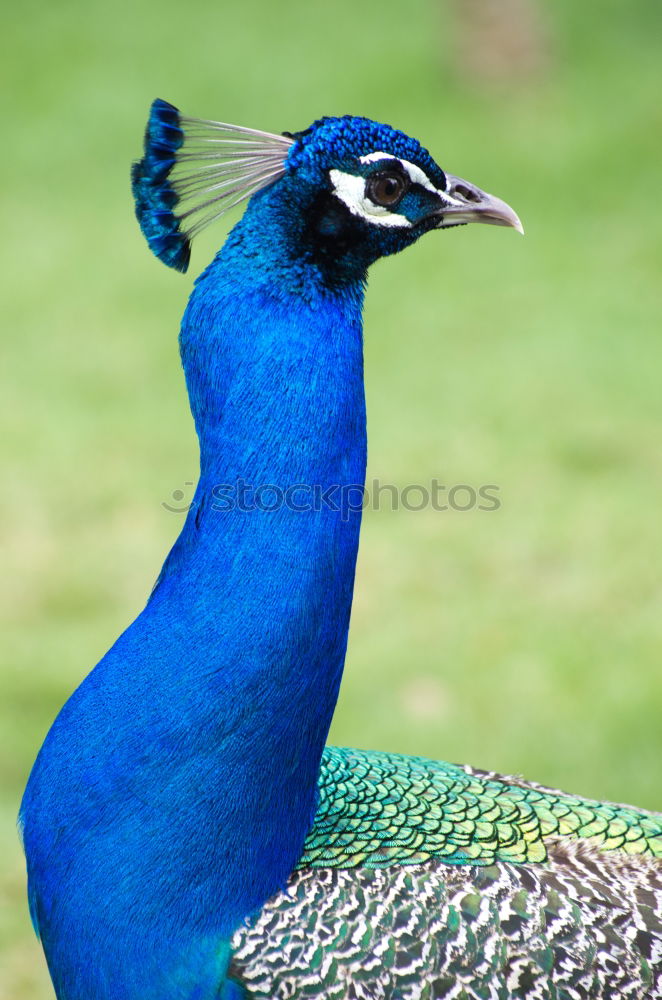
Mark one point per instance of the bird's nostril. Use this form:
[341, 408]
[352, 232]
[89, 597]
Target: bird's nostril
[466, 192]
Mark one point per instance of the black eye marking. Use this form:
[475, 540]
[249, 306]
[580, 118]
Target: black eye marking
[386, 187]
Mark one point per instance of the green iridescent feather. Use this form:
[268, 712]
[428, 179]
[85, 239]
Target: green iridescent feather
[379, 809]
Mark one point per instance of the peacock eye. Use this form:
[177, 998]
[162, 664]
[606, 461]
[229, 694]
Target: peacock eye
[385, 188]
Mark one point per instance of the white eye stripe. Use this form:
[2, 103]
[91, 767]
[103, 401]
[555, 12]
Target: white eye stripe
[416, 175]
[350, 188]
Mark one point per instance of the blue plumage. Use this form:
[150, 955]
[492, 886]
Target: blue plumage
[174, 792]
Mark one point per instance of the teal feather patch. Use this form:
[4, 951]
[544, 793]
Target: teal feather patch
[379, 809]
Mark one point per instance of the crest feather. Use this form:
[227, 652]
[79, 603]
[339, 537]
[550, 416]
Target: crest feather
[193, 171]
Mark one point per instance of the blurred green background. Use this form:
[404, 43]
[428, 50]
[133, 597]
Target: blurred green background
[526, 639]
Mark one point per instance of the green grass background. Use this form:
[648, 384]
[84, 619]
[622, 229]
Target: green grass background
[526, 639]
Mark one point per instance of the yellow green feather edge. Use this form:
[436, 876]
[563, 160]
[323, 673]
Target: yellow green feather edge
[380, 809]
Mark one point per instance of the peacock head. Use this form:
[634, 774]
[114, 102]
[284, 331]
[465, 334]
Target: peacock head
[355, 190]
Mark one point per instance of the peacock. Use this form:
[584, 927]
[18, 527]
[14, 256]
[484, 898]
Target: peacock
[188, 834]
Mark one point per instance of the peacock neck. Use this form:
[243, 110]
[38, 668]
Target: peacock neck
[263, 570]
[273, 362]
[186, 763]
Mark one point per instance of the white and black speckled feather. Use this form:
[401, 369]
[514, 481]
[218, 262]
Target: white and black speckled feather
[546, 896]
[557, 931]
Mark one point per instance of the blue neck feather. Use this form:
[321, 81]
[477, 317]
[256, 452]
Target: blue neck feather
[187, 761]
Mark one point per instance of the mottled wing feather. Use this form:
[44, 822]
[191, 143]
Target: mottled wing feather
[427, 880]
[433, 931]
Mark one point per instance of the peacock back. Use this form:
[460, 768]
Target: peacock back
[423, 879]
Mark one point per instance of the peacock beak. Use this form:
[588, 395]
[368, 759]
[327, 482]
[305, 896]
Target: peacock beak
[463, 202]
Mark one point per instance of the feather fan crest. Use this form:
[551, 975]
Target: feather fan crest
[193, 171]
